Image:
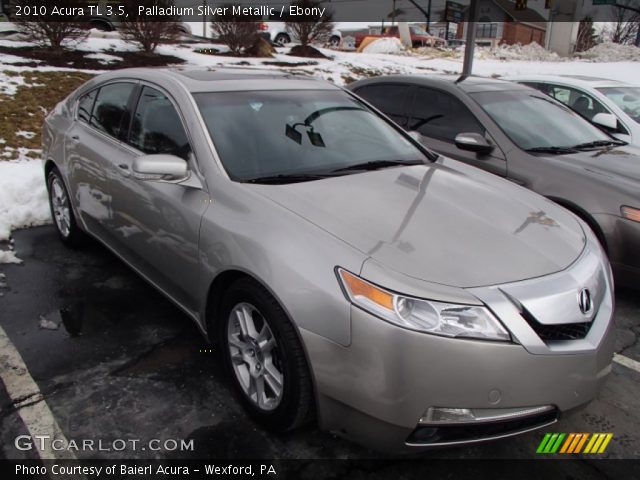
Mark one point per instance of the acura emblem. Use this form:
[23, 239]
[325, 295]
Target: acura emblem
[585, 302]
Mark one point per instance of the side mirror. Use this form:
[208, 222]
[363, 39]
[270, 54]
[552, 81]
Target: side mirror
[160, 167]
[606, 120]
[473, 142]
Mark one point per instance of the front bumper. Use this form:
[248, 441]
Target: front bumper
[376, 390]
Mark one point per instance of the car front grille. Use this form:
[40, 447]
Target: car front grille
[561, 331]
[566, 331]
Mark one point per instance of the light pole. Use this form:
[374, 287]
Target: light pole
[470, 45]
[204, 19]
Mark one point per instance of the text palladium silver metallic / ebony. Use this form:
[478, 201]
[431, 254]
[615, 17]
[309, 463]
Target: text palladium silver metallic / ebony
[349, 277]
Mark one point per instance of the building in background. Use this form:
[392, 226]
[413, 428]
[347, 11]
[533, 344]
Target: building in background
[500, 22]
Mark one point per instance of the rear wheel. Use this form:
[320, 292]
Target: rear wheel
[64, 220]
[264, 358]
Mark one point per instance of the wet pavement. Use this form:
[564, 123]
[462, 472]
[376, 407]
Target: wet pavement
[114, 359]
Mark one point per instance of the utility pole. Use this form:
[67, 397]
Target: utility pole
[204, 19]
[472, 25]
[426, 13]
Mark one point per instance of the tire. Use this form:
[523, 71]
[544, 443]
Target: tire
[102, 26]
[62, 214]
[266, 365]
[282, 39]
[334, 41]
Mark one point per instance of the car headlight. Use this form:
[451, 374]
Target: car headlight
[438, 318]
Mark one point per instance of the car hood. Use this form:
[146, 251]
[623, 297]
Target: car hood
[462, 228]
[621, 163]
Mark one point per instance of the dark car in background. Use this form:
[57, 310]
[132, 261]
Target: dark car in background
[531, 139]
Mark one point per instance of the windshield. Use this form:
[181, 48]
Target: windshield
[418, 31]
[627, 98]
[533, 121]
[302, 132]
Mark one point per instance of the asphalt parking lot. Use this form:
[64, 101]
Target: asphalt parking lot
[115, 359]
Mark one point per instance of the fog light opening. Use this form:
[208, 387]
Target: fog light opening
[455, 416]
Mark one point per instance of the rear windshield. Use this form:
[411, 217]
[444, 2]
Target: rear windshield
[266, 133]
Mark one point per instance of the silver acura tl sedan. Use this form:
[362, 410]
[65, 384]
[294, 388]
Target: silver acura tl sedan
[349, 275]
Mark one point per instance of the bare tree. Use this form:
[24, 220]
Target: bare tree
[624, 28]
[148, 31]
[586, 35]
[238, 32]
[311, 28]
[48, 31]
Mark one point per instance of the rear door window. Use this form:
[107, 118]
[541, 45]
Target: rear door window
[110, 113]
[579, 101]
[390, 99]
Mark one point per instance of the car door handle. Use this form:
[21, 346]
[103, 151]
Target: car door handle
[123, 168]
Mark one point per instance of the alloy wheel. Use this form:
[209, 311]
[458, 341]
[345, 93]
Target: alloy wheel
[60, 206]
[255, 358]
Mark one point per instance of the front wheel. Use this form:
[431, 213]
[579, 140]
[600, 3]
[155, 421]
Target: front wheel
[64, 220]
[264, 358]
[334, 41]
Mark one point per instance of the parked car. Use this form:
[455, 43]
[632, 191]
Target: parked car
[419, 36]
[609, 104]
[521, 134]
[277, 33]
[314, 240]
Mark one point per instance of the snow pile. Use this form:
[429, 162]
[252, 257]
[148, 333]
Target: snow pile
[384, 45]
[611, 52]
[531, 52]
[23, 200]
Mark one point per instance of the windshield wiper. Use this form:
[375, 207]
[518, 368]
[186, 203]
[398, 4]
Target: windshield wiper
[599, 143]
[556, 150]
[288, 178]
[377, 164]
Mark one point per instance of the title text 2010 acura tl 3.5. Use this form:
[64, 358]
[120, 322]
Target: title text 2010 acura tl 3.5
[348, 277]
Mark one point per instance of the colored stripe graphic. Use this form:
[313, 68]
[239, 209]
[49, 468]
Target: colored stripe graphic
[574, 442]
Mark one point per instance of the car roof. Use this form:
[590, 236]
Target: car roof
[577, 80]
[227, 79]
[451, 83]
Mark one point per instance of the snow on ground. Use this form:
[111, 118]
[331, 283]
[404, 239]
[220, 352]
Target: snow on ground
[25, 134]
[612, 52]
[9, 83]
[23, 200]
[104, 57]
